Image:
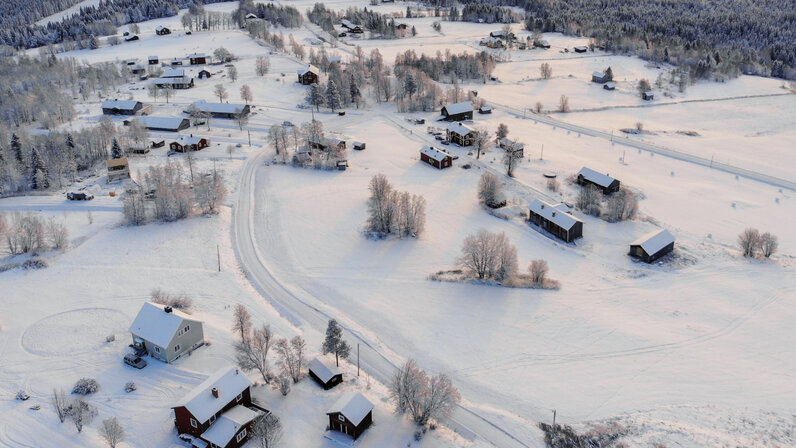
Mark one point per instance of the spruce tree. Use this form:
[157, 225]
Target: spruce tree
[16, 148]
[116, 150]
[334, 342]
[333, 98]
[71, 154]
[39, 179]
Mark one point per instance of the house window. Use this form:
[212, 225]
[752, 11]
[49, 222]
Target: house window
[187, 327]
[212, 418]
[341, 418]
[177, 348]
[157, 349]
[239, 397]
[194, 424]
[241, 435]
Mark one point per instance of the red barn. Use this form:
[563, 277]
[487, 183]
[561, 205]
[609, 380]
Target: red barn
[436, 157]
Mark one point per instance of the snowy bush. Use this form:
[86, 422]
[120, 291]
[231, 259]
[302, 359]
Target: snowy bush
[553, 184]
[754, 244]
[21, 395]
[112, 431]
[180, 302]
[588, 200]
[85, 386]
[284, 385]
[130, 386]
[81, 413]
[110, 338]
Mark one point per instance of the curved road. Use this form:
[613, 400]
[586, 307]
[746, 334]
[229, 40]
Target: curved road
[464, 421]
[638, 144]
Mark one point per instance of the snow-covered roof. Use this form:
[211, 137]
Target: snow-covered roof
[598, 74]
[251, 16]
[557, 214]
[113, 163]
[155, 325]
[197, 55]
[600, 179]
[347, 23]
[581, 47]
[353, 405]
[310, 69]
[161, 122]
[434, 153]
[654, 241]
[179, 80]
[610, 85]
[335, 59]
[230, 422]
[506, 142]
[173, 73]
[152, 57]
[120, 104]
[459, 108]
[188, 140]
[228, 381]
[219, 108]
[459, 128]
[160, 27]
[323, 371]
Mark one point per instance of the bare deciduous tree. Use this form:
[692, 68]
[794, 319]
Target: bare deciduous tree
[381, 207]
[221, 92]
[233, 73]
[209, 192]
[262, 65]
[490, 191]
[292, 355]
[502, 131]
[768, 244]
[60, 403]
[546, 70]
[57, 234]
[563, 104]
[489, 255]
[112, 431]
[246, 93]
[253, 354]
[749, 240]
[480, 141]
[538, 107]
[241, 322]
[511, 158]
[422, 397]
[621, 206]
[538, 271]
[81, 413]
[267, 431]
[588, 200]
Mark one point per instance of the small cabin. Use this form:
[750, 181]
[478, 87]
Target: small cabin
[153, 60]
[118, 169]
[359, 146]
[485, 110]
[197, 59]
[308, 75]
[461, 134]
[609, 86]
[600, 77]
[138, 69]
[161, 30]
[176, 62]
[581, 49]
[541, 44]
[121, 107]
[184, 82]
[436, 157]
[342, 165]
[131, 38]
[351, 27]
[138, 149]
[604, 182]
[189, 143]
[648, 96]
[204, 74]
[352, 414]
[458, 112]
[556, 220]
[158, 143]
[652, 246]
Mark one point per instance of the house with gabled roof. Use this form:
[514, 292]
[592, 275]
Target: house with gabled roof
[189, 143]
[172, 124]
[165, 333]
[351, 414]
[197, 58]
[222, 110]
[220, 411]
[461, 134]
[652, 246]
[309, 75]
[121, 107]
[436, 157]
[604, 182]
[458, 112]
[327, 376]
[161, 30]
[556, 219]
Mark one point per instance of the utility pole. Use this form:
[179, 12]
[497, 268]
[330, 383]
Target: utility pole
[357, 358]
[250, 136]
[218, 253]
[554, 421]
[623, 156]
[541, 157]
[711, 161]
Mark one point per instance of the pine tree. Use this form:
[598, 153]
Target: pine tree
[116, 150]
[315, 96]
[71, 154]
[16, 148]
[39, 179]
[333, 98]
[334, 342]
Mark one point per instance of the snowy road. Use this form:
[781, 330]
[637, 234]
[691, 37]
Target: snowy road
[60, 203]
[638, 144]
[299, 311]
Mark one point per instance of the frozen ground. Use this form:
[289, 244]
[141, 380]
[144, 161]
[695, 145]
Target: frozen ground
[695, 352]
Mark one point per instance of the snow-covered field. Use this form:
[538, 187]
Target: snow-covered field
[694, 352]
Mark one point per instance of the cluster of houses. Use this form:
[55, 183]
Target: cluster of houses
[503, 39]
[605, 78]
[558, 220]
[221, 412]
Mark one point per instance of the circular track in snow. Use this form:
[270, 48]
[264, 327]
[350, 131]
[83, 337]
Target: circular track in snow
[73, 332]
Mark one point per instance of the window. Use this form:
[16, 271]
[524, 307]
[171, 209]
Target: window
[341, 418]
[239, 397]
[157, 349]
[177, 348]
[241, 435]
[187, 327]
[194, 424]
[212, 419]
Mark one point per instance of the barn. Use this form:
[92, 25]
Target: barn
[458, 112]
[197, 58]
[326, 376]
[165, 123]
[189, 143]
[436, 157]
[121, 107]
[600, 77]
[352, 28]
[648, 95]
[222, 110]
[161, 30]
[461, 134]
[556, 219]
[652, 246]
[352, 414]
[606, 183]
[204, 74]
[184, 82]
[308, 75]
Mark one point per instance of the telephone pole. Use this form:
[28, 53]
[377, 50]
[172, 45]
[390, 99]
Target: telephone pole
[357, 358]
[218, 253]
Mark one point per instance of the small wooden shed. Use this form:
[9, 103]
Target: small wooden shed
[652, 246]
[325, 375]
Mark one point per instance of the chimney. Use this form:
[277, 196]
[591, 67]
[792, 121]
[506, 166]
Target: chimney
[167, 309]
[236, 371]
[542, 205]
[554, 214]
[214, 391]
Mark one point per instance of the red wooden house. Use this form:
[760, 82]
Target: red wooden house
[436, 157]
[352, 414]
[189, 143]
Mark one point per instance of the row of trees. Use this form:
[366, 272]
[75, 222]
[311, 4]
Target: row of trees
[619, 206]
[754, 244]
[282, 15]
[28, 233]
[393, 212]
[449, 66]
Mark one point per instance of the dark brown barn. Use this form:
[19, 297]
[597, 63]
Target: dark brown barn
[436, 157]
[604, 182]
[220, 411]
[326, 376]
[652, 246]
[556, 220]
[458, 112]
[352, 414]
[161, 30]
[308, 75]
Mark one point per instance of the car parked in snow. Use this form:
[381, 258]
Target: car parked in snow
[134, 361]
[79, 196]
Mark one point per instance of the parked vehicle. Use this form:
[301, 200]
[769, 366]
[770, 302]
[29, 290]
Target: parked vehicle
[79, 196]
[134, 361]
[341, 113]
